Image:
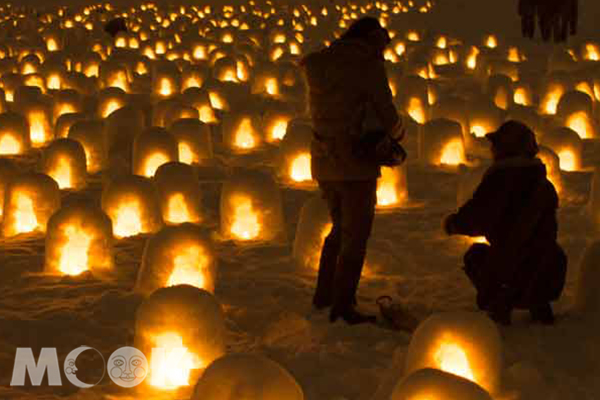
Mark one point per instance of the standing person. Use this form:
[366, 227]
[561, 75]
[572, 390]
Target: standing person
[514, 207]
[548, 14]
[528, 11]
[341, 79]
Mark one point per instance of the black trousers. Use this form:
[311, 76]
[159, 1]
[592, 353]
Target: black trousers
[352, 209]
[528, 26]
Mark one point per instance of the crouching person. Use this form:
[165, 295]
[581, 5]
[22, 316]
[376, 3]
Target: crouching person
[514, 207]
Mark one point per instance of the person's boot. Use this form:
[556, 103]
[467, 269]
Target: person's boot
[351, 316]
[542, 313]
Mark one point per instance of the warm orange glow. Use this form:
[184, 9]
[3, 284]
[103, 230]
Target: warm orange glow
[521, 97]
[472, 58]
[126, 221]
[37, 128]
[165, 87]
[153, 162]
[478, 130]
[413, 36]
[272, 87]
[119, 80]
[189, 267]
[452, 153]
[491, 42]
[172, 362]
[567, 160]
[513, 55]
[111, 106]
[479, 239]
[192, 82]
[387, 194]
[442, 42]
[53, 82]
[52, 44]
[451, 358]
[300, 168]
[279, 128]
[186, 154]
[216, 101]
[244, 136]
[246, 225]
[9, 145]
[177, 210]
[207, 115]
[62, 173]
[580, 123]
[74, 253]
[416, 110]
[400, 48]
[25, 218]
[550, 102]
[592, 53]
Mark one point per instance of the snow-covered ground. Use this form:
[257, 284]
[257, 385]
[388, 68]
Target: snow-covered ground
[267, 298]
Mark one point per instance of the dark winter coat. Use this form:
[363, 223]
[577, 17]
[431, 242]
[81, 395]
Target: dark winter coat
[341, 79]
[514, 207]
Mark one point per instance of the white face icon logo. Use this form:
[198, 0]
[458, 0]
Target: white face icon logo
[127, 367]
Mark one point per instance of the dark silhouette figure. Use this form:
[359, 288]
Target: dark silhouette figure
[341, 79]
[514, 207]
[528, 11]
[116, 25]
[558, 19]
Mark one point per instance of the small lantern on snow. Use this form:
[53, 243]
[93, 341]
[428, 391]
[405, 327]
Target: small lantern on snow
[78, 239]
[575, 110]
[64, 161]
[114, 75]
[251, 207]
[567, 145]
[14, 134]
[179, 193]
[110, 100]
[275, 124]
[392, 190]
[90, 134]
[177, 255]
[39, 117]
[151, 149]
[413, 98]
[194, 141]
[132, 204]
[294, 154]
[241, 132]
[257, 377]
[66, 101]
[500, 90]
[460, 343]
[166, 79]
[441, 143]
[29, 202]
[314, 224]
[181, 329]
[550, 95]
[428, 383]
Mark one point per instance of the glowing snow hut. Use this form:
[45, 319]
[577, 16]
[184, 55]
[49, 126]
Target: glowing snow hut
[166, 79]
[177, 255]
[241, 132]
[251, 207]
[29, 202]
[132, 204]
[151, 149]
[567, 145]
[64, 161]
[90, 134]
[257, 377]
[194, 141]
[78, 239]
[181, 330]
[460, 343]
[178, 193]
[392, 189]
[294, 154]
[441, 143]
[14, 134]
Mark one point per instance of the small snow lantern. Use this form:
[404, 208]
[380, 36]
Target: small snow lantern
[114, 75]
[500, 90]
[241, 132]
[181, 330]
[200, 100]
[251, 207]
[78, 239]
[432, 384]
[7, 171]
[587, 299]
[39, 117]
[14, 134]
[392, 188]
[64, 161]
[132, 204]
[441, 143]
[550, 95]
[166, 79]
[523, 94]
[575, 110]
[151, 149]
[179, 193]
[177, 255]
[29, 202]
[413, 98]
[567, 144]
[275, 124]
[294, 154]
[110, 100]
[194, 140]
[252, 376]
[169, 110]
[90, 134]
[314, 224]
[460, 343]
[66, 101]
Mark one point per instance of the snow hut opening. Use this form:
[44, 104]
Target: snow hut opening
[78, 239]
[567, 145]
[241, 132]
[441, 143]
[14, 134]
[177, 255]
[64, 161]
[178, 193]
[392, 190]
[194, 141]
[294, 154]
[151, 149]
[131, 202]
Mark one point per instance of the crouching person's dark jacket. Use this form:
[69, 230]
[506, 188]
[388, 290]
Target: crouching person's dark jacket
[514, 207]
